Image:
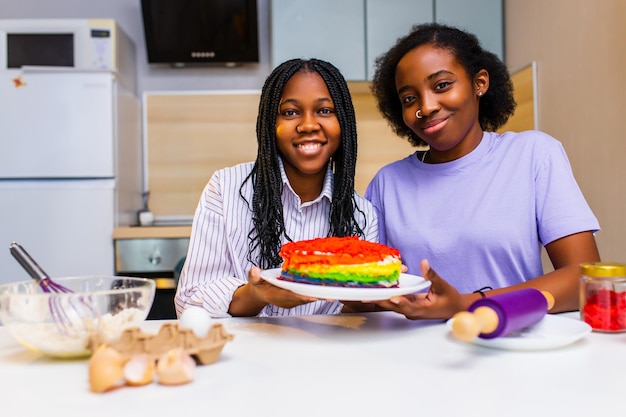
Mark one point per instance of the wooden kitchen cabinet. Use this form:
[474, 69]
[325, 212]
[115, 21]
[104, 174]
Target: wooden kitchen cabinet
[351, 34]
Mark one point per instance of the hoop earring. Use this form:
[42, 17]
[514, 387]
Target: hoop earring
[417, 114]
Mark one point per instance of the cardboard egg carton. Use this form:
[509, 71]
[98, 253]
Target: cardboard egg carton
[205, 350]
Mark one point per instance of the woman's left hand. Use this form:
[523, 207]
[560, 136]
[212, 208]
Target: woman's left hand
[441, 302]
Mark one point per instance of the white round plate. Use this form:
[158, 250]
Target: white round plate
[408, 284]
[551, 332]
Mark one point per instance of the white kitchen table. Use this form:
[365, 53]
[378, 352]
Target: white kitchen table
[369, 364]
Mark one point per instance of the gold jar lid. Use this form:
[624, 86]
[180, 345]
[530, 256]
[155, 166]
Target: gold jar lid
[603, 269]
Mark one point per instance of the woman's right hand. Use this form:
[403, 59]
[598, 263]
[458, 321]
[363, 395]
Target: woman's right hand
[251, 298]
[271, 294]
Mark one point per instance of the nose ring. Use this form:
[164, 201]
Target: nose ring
[298, 129]
[418, 114]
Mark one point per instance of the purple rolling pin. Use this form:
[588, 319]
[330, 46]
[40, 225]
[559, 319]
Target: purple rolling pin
[515, 310]
[502, 314]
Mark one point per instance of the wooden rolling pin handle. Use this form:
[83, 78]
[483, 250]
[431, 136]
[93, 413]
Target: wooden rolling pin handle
[468, 325]
[549, 299]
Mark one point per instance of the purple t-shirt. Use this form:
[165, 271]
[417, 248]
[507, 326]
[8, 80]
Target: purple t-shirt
[482, 219]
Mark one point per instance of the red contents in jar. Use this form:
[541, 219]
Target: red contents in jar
[606, 310]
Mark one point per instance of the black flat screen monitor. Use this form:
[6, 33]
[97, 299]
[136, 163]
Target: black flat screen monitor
[180, 32]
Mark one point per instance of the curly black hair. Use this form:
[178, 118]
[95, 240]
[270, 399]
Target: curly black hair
[268, 221]
[495, 107]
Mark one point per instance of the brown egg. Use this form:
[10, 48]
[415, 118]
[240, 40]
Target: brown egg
[106, 369]
[139, 370]
[175, 367]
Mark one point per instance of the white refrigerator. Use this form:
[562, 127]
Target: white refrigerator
[70, 169]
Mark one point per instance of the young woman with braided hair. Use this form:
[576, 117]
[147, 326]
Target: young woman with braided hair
[301, 186]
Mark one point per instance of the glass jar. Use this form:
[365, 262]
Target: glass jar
[603, 296]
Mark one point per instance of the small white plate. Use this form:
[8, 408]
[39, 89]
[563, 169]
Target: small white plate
[551, 332]
[408, 284]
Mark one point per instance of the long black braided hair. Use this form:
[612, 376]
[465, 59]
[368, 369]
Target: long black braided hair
[268, 221]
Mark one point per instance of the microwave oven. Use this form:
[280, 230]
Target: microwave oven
[80, 44]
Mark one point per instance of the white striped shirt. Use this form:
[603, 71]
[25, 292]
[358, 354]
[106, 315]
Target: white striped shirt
[217, 258]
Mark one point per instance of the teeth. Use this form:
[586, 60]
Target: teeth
[309, 146]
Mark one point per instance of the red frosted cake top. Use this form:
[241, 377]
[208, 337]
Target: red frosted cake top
[341, 249]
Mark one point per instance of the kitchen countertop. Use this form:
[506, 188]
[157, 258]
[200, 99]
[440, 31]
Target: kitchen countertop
[151, 232]
[369, 364]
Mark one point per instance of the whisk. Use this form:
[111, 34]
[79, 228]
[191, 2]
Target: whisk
[64, 318]
[35, 271]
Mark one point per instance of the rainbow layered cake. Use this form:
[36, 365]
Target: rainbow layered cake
[341, 262]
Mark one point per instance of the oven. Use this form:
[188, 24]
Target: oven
[157, 258]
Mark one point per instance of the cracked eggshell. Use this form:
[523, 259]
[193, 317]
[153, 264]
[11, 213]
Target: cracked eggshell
[139, 370]
[175, 367]
[106, 369]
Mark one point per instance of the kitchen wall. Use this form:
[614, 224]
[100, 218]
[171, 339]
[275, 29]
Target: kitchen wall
[578, 47]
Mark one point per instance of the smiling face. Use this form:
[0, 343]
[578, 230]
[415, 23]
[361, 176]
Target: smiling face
[307, 129]
[431, 80]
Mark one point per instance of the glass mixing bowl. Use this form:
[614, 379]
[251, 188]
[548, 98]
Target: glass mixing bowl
[65, 324]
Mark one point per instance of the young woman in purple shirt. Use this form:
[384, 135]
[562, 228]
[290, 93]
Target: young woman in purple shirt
[476, 207]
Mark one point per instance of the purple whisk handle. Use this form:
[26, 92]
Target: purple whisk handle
[29, 264]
